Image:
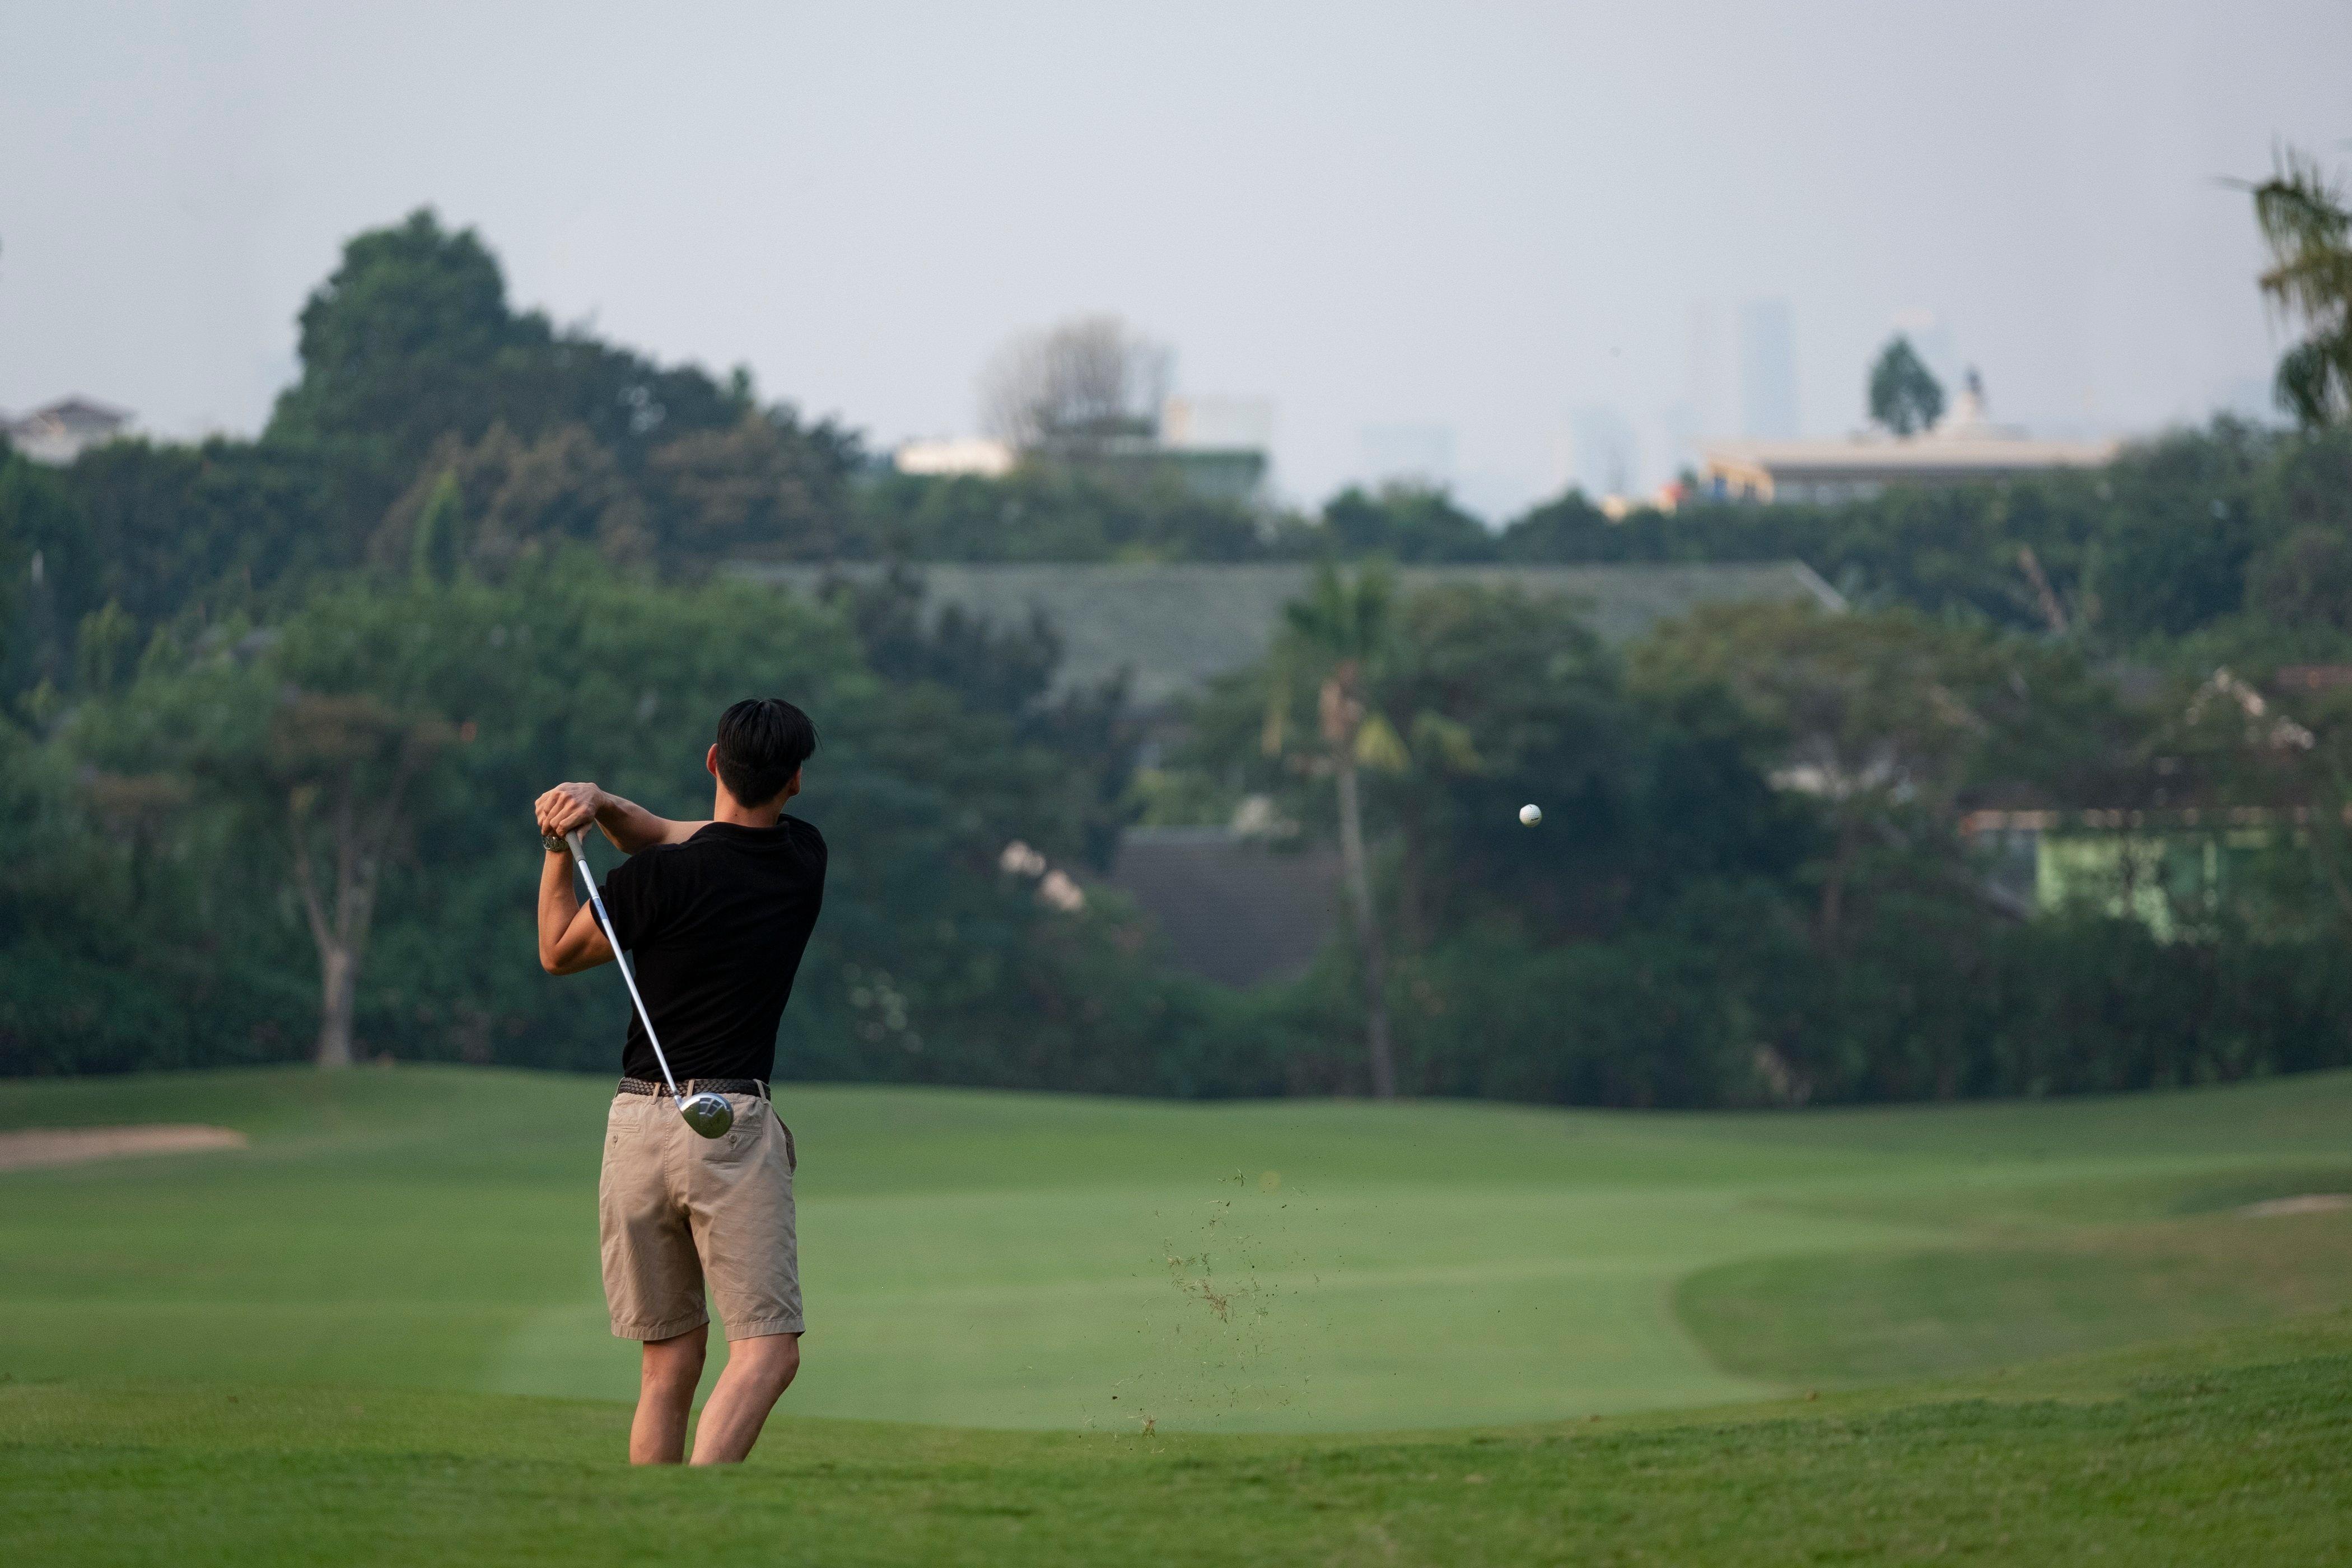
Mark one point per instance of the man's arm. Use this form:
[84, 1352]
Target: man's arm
[629, 826]
[570, 940]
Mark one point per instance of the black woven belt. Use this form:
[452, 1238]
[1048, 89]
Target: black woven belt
[695, 1085]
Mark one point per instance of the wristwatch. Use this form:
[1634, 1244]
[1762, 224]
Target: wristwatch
[556, 843]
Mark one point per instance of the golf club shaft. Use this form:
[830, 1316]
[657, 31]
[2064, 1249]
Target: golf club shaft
[596, 903]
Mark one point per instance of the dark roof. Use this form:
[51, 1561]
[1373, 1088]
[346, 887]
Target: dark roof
[1236, 910]
[1177, 625]
[2313, 677]
[83, 413]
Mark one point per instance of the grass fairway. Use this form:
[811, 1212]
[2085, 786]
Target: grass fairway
[376, 1334]
[2229, 1451]
[1027, 1261]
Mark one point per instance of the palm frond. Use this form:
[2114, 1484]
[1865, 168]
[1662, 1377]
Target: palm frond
[2299, 208]
[1449, 739]
[1343, 617]
[2315, 379]
[1379, 748]
[2306, 225]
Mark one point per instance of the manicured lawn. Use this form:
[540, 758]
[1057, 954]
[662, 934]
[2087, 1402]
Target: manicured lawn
[2227, 1451]
[1054, 1330]
[1030, 1261]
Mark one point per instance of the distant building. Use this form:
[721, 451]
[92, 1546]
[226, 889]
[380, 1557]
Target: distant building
[1668, 497]
[65, 430]
[955, 454]
[1236, 475]
[2155, 867]
[1217, 424]
[1212, 448]
[1234, 907]
[1218, 448]
[1605, 454]
[1768, 370]
[2160, 864]
[1965, 445]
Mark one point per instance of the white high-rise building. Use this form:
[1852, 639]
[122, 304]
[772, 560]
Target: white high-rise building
[1768, 372]
[1606, 455]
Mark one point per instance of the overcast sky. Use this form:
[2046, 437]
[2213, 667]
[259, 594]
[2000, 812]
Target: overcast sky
[1477, 219]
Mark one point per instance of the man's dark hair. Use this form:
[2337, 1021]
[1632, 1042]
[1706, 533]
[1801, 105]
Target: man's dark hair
[763, 742]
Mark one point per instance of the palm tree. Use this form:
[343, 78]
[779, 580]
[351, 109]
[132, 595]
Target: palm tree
[2307, 227]
[1330, 639]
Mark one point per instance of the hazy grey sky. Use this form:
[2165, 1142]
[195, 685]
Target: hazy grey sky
[1481, 217]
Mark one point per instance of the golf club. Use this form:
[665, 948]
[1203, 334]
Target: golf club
[708, 1114]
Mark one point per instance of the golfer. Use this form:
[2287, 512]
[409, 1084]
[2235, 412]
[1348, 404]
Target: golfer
[714, 915]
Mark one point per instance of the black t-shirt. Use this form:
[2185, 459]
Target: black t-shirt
[714, 928]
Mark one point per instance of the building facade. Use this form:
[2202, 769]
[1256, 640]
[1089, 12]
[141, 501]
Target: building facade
[64, 430]
[1964, 445]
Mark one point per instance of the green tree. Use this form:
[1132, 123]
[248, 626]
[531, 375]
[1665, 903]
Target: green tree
[343, 765]
[1874, 716]
[2308, 227]
[760, 487]
[502, 501]
[318, 782]
[436, 541]
[1905, 395]
[103, 647]
[1505, 698]
[1328, 642]
[1570, 528]
[1050, 511]
[402, 343]
[412, 339]
[2304, 580]
[1405, 522]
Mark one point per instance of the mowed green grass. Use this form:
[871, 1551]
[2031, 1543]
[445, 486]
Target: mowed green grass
[2223, 1451]
[375, 1336]
[1026, 1261]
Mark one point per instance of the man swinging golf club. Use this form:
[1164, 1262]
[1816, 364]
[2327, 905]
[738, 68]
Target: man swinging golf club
[697, 1183]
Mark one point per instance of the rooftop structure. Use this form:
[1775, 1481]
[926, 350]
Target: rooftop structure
[64, 429]
[1965, 445]
[955, 454]
[1212, 448]
[1217, 424]
[1235, 909]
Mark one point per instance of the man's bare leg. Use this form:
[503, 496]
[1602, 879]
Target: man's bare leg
[758, 1372]
[665, 1384]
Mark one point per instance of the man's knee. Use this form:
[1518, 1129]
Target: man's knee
[774, 1359]
[672, 1363]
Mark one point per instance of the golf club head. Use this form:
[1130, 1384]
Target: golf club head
[708, 1114]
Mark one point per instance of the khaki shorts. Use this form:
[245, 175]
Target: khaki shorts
[677, 1209]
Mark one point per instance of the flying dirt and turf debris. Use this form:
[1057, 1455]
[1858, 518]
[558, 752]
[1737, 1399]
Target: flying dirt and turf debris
[1234, 1279]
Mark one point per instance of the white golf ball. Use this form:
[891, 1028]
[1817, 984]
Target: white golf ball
[1531, 815]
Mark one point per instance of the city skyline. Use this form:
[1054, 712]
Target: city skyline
[1396, 218]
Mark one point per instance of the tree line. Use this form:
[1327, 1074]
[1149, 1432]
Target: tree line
[271, 713]
[1751, 883]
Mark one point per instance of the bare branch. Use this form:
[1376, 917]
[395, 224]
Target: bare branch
[1075, 387]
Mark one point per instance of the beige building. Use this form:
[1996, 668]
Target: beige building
[954, 455]
[1964, 445]
[64, 430]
